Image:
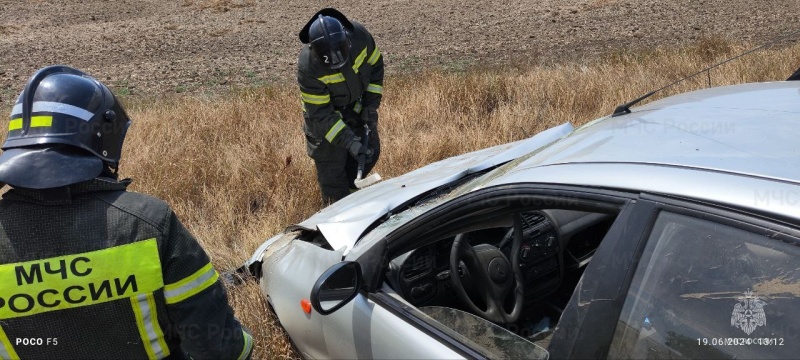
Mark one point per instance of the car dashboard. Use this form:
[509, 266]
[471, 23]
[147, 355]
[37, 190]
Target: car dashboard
[422, 276]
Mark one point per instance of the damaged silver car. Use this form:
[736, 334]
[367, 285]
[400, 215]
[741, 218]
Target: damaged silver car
[672, 231]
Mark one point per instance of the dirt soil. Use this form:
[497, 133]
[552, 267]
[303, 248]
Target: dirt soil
[158, 46]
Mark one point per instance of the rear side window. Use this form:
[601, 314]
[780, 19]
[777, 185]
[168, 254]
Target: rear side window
[708, 290]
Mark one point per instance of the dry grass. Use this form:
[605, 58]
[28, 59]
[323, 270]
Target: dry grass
[234, 167]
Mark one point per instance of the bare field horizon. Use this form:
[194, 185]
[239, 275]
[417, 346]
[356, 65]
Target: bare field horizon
[144, 47]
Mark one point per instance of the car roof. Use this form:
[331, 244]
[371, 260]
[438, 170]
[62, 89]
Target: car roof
[749, 129]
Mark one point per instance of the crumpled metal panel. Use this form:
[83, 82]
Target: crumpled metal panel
[269, 247]
[343, 222]
[289, 272]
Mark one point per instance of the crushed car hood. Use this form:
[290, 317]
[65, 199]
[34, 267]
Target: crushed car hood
[345, 221]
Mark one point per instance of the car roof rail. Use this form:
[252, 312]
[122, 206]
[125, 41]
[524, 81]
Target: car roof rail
[626, 107]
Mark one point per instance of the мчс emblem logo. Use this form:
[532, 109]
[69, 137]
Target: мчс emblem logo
[748, 313]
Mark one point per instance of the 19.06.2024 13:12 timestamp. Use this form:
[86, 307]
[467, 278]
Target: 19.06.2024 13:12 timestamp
[740, 341]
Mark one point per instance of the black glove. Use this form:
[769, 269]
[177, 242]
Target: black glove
[356, 148]
[370, 117]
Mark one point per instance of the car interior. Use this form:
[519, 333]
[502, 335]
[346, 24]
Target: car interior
[525, 292]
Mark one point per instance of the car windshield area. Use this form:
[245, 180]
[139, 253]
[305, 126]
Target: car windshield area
[501, 269]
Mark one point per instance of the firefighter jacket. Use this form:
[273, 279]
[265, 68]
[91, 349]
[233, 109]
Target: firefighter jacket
[92, 271]
[334, 99]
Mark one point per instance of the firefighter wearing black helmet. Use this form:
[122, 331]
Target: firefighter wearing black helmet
[340, 73]
[89, 270]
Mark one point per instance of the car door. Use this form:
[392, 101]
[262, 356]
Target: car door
[377, 323]
[383, 313]
[712, 283]
[705, 282]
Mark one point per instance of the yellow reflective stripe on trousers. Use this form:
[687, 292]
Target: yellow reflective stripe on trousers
[248, 345]
[335, 130]
[77, 280]
[332, 79]
[316, 99]
[376, 54]
[6, 349]
[375, 88]
[190, 285]
[36, 121]
[359, 60]
[144, 308]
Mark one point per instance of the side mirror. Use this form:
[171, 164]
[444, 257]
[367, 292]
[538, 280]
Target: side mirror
[336, 287]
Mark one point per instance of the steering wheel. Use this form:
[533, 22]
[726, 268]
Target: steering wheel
[494, 276]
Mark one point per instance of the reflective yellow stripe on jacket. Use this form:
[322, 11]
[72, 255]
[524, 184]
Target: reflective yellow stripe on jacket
[6, 349]
[332, 79]
[376, 54]
[78, 280]
[335, 130]
[375, 88]
[359, 60]
[247, 346]
[191, 285]
[316, 99]
[144, 309]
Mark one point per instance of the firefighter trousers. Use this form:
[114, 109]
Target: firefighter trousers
[337, 169]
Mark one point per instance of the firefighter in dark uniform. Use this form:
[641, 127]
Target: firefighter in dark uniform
[89, 270]
[340, 73]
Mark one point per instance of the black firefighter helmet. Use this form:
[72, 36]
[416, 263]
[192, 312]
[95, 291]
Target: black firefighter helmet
[66, 127]
[327, 35]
